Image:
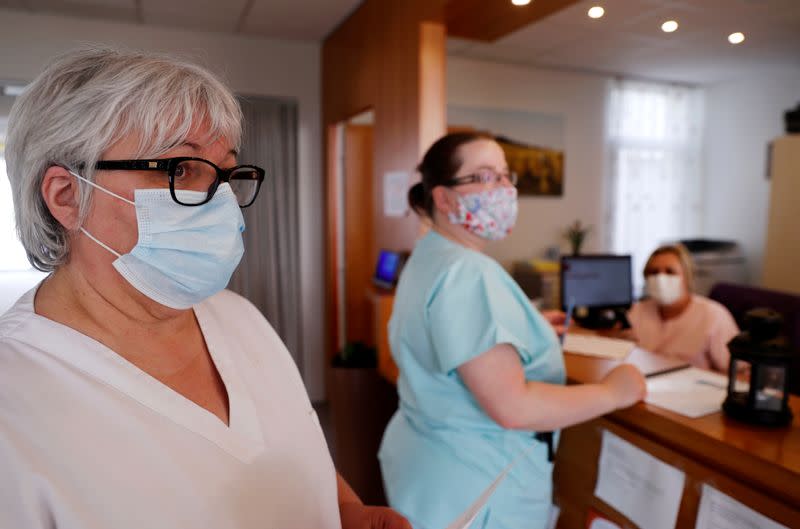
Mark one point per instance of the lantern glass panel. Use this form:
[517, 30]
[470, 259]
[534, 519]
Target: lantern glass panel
[771, 384]
[743, 370]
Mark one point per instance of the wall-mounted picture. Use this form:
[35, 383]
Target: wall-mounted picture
[540, 170]
[533, 144]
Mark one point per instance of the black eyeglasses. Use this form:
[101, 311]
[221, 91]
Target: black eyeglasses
[196, 174]
[484, 176]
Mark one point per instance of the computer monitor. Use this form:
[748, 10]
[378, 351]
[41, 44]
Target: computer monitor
[596, 281]
[387, 271]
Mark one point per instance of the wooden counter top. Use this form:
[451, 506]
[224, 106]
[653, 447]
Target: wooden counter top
[768, 458]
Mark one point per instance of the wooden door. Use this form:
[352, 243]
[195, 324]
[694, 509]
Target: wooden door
[359, 253]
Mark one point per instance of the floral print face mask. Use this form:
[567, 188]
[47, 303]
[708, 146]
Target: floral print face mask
[490, 214]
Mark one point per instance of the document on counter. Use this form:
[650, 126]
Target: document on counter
[720, 511]
[587, 344]
[640, 486]
[691, 392]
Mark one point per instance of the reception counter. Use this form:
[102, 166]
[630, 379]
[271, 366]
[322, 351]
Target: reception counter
[758, 467]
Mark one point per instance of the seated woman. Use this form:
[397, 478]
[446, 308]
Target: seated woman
[134, 390]
[673, 321]
[481, 370]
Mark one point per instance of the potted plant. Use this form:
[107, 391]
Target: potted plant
[576, 234]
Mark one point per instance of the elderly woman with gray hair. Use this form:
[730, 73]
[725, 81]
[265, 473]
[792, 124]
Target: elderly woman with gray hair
[135, 392]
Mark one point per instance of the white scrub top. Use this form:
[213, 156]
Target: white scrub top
[89, 441]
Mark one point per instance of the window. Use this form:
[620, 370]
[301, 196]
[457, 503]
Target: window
[16, 273]
[654, 134]
[12, 254]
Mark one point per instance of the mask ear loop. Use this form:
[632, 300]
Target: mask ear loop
[92, 237]
[101, 188]
[82, 229]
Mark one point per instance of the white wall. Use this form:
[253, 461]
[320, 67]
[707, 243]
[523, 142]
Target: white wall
[251, 66]
[581, 100]
[742, 117]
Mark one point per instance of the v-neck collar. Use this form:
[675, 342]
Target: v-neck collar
[242, 438]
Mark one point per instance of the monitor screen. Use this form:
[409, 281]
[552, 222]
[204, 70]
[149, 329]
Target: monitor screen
[388, 268]
[596, 281]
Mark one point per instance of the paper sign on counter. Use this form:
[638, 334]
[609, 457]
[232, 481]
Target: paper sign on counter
[643, 488]
[720, 511]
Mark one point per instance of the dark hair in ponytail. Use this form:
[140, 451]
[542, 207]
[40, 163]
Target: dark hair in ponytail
[438, 167]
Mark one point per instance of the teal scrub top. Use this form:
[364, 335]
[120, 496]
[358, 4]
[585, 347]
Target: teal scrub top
[440, 449]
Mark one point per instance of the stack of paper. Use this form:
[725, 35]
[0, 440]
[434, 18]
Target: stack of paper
[587, 344]
[691, 392]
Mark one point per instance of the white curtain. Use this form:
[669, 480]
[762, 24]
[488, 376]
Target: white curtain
[655, 144]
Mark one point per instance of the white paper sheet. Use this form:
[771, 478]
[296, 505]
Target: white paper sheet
[691, 392]
[587, 344]
[395, 190]
[602, 523]
[720, 511]
[643, 488]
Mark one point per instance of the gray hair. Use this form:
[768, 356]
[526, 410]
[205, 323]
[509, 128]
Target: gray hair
[84, 102]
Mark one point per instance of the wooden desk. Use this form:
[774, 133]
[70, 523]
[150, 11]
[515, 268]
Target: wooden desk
[757, 466]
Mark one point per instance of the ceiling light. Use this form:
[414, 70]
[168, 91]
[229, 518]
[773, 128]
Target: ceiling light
[596, 12]
[520, 2]
[669, 26]
[736, 38]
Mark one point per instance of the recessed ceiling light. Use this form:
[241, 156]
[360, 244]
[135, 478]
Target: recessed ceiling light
[520, 2]
[596, 12]
[736, 38]
[669, 26]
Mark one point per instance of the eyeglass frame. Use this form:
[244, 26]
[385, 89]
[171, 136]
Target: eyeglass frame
[169, 165]
[475, 178]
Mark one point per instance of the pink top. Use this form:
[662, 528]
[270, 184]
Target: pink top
[699, 335]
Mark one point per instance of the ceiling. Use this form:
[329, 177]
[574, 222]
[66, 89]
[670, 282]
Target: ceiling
[628, 40]
[284, 19]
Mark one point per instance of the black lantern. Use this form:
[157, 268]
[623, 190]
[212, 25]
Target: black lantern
[759, 372]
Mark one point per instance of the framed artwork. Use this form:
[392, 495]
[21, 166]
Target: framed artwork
[533, 143]
[540, 170]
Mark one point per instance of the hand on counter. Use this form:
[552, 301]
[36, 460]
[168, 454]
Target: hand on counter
[626, 384]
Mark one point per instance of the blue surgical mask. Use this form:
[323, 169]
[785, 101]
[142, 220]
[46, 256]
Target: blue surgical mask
[184, 254]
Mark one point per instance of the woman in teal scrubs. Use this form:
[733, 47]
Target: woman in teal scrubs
[481, 370]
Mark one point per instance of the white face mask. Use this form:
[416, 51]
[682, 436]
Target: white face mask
[184, 254]
[665, 289]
